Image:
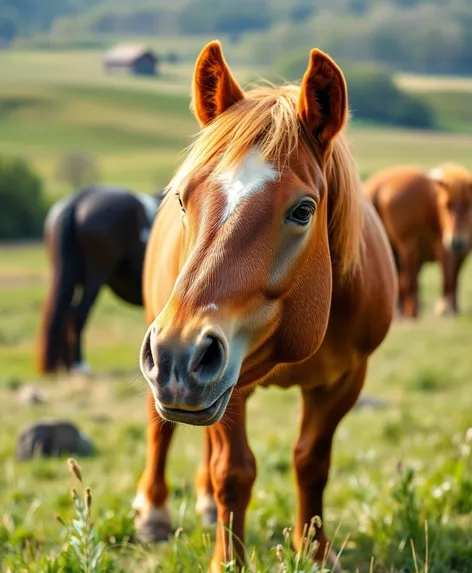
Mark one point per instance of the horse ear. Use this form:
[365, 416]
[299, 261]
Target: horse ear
[214, 87]
[322, 105]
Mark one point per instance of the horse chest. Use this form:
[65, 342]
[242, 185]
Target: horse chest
[325, 367]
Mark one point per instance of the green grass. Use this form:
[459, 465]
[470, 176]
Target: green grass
[135, 128]
[422, 371]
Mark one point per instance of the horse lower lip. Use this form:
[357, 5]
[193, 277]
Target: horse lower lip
[194, 416]
[205, 412]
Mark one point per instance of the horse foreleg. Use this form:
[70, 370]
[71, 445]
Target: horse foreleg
[205, 506]
[408, 283]
[458, 262]
[153, 521]
[451, 265]
[322, 411]
[233, 471]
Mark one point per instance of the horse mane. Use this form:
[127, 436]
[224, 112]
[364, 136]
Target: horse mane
[267, 117]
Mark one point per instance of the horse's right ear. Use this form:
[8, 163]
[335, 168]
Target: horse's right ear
[214, 87]
[322, 105]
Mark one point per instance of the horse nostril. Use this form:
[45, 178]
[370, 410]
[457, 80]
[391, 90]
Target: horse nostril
[208, 360]
[147, 358]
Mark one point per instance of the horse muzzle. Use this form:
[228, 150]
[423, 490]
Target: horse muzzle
[192, 380]
[457, 244]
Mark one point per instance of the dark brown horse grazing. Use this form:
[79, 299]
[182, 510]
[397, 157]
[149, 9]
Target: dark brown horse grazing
[428, 217]
[265, 265]
[95, 237]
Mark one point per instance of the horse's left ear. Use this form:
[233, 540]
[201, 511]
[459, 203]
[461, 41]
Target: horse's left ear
[214, 87]
[322, 106]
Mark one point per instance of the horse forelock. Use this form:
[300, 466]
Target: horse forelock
[267, 120]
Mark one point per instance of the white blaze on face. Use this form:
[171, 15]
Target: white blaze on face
[436, 174]
[247, 178]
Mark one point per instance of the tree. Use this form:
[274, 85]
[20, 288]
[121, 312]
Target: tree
[9, 25]
[23, 205]
[78, 170]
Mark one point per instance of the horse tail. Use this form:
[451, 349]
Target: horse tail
[62, 247]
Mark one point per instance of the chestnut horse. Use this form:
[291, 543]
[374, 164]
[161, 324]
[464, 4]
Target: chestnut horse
[428, 217]
[94, 237]
[265, 265]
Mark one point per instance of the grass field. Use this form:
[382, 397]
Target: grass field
[394, 468]
[422, 372]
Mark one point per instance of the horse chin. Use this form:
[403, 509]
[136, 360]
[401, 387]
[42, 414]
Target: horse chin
[204, 417]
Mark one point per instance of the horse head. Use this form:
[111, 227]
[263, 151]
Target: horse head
[454, 201]
[265, 200]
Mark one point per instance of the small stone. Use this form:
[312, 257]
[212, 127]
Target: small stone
[51, 438]
[30, 395]
[365, 401]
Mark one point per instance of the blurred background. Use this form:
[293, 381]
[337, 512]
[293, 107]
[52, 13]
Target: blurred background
[97, 91]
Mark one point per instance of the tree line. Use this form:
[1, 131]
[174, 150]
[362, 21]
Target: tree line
[430, 36]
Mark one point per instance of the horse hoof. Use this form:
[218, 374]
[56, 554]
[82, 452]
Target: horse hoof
[444, 307]
[81, 368]
[206, 508]
[209, 518]
[152, 531]
[152, 524]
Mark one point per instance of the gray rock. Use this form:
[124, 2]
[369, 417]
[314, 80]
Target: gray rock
[50, 438]
[30, 395]
[365, 401]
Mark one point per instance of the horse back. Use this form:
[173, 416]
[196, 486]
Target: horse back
[405, 200]
[64, 208]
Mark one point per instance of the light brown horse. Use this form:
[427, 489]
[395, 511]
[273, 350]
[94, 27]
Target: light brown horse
[428, 217]
[266, 265]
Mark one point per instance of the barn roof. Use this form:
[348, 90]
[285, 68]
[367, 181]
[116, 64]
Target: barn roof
[127, 53]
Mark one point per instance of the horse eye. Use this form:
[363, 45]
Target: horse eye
[302, 213]
[180, 203]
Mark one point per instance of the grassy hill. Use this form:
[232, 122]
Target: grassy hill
[52, 103]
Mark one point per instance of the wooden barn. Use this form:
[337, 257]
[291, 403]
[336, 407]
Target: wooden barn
[131, 58]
